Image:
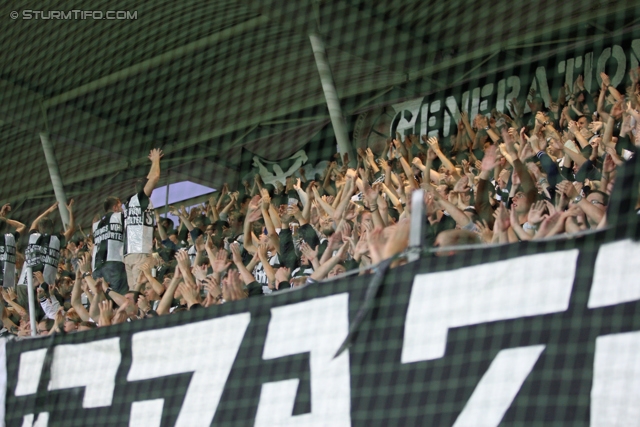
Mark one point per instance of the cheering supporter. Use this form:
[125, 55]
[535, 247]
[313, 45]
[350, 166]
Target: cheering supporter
[502, 178]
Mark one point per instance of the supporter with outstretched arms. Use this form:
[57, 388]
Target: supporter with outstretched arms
[44, 245]
[108, 238]
[140, 221]
[482, 203]
[526, 194]
[8, 247]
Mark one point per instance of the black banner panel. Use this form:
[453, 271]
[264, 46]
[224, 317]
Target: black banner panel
[535, 334]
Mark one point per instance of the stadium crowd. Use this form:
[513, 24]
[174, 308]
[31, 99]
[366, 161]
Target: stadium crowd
[502, 178]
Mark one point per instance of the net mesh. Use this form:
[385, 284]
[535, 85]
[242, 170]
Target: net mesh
[229, 90]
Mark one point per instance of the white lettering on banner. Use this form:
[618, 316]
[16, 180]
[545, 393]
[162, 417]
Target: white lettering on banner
[325, 326]
[409, 114]
[134, 210]
[437, 119]
[110, 231]
[42, 421]
[8, 255]
[616, 381]
[520, 287]
[615, 282]
[29, 371]
[133, 220]
[190, 348]
[147, 413]
[498, 387]
[91, 365]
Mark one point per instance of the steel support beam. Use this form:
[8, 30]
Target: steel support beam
[331, 96]
[56, 179]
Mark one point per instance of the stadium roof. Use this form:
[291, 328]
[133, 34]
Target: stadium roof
[204, 79]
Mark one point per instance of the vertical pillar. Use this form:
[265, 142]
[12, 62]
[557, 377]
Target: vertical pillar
[417, 220]
[166, 198]
[331, 95]
[32, 299]
[56, 179]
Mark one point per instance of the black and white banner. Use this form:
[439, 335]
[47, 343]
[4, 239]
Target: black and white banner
[536, 334]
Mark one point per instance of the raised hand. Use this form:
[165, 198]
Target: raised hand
[311, 254]
[371, 193]
[293, 210]
[235, 253]
[143, 303]
[262, 252]
[462, 186]
[233, 290]
[199, 271]
[214, 293]
[221, 263]
[106, 312]
[183, 261]
[155, 154]
[362, 247]
[485, 233]
[190, 293]
[266, 199]
[38, 277]
[417, 163]
[526, 152]
[608, 165]
[501, 219]
[283, 274]
[595, 126]
[253, 210]
[489, 161]
[548, 225]
[568, 189]
[433, 143]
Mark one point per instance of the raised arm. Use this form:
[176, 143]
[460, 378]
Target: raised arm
[306, 209]
[49, 211]
[157, 286]
[212, 210]
[72, 222]
[231, 204]
[326, 184]
[268, 269]
[154, 173]
[329, 210]
[346, 198]
[76, 301]
[20, 227]
[183, 215]
[271, 229]
[167, 298]
[433, 143]
[589, 209]
[482, 202]
[253, 214]
[456, 213]
[321, 272]
[371, 193]
[161, 231]
[245, 274]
